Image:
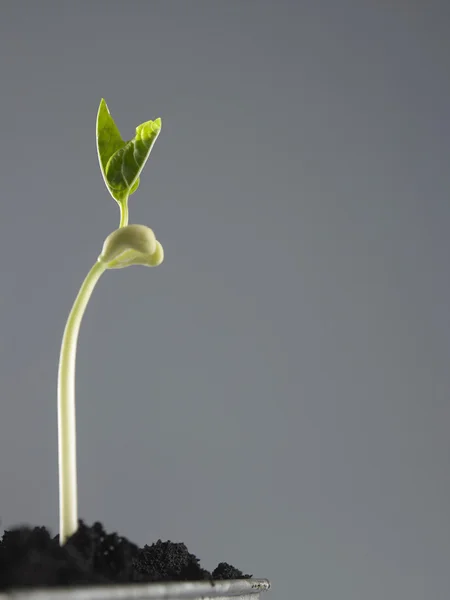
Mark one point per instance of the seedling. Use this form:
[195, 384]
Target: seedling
[121, 164]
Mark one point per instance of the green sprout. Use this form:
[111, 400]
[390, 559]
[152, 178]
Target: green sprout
[121, 164]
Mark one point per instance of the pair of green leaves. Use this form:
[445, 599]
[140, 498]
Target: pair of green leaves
[121, 162]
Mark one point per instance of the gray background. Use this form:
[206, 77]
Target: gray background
[276, 394]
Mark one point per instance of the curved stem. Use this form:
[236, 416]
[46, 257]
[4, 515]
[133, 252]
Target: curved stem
[123, 213]
[68, 503]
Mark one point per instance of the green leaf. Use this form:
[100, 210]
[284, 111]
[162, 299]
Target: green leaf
[125, 165]
[122, 162]
[109, 139]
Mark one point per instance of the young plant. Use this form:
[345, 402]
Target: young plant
[121, 164]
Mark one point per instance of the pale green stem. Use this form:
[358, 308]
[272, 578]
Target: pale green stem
[68, 502]
[123, 213]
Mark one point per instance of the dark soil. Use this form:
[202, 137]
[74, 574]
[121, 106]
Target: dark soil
[32, 558]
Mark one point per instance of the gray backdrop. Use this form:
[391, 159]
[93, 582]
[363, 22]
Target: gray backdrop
[276, 394]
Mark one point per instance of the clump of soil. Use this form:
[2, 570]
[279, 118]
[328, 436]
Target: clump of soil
[30, 557]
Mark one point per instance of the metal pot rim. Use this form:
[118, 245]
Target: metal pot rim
[248, 589]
